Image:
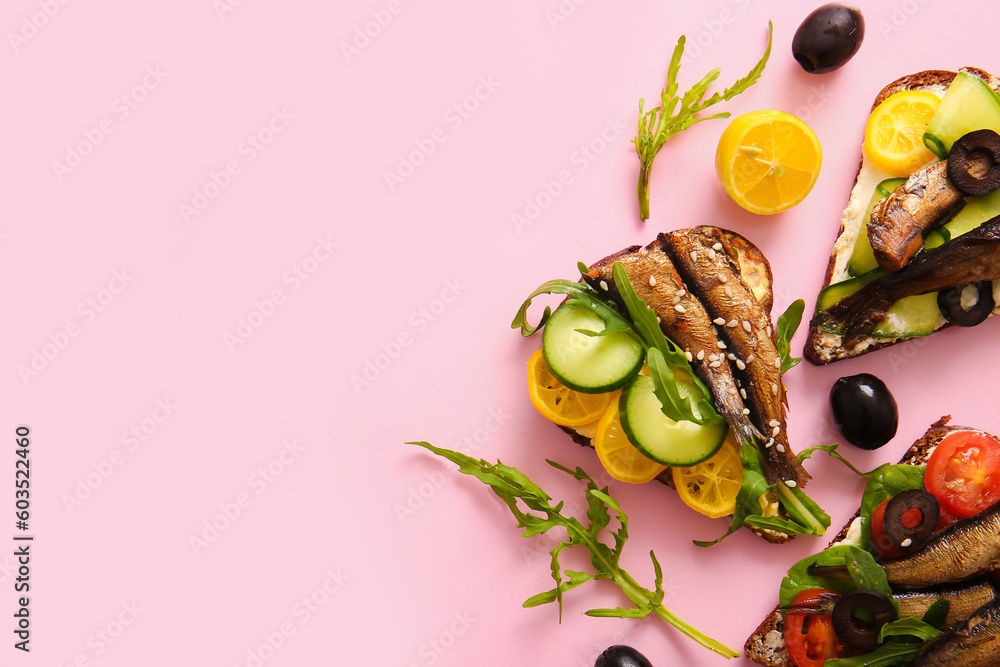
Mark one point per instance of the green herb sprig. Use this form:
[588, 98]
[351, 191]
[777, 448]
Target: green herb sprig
[514, 488]
[666, 120]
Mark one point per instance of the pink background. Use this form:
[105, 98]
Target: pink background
[218, 259]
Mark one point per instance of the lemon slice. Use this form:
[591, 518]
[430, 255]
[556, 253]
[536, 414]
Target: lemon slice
[711, 487]
[768, 161]
[618, 455]
[557, 402]
[894, 135]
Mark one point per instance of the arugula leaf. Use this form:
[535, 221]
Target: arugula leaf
[861, 566]
[658, 125]
[788, 322]
[577, 292]
[515, 489]
[901, 640]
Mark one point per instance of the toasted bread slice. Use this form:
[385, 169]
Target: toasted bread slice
[766, 646]
[823, 347]
[755, 271]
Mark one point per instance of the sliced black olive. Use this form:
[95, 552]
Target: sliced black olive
[895, 526]
[950, 303]
[860, 630]
[622, 656]
[864, 410]
[974, 163]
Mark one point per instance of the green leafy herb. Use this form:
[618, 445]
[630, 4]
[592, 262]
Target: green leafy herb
[901, 640]
[677, 113]
[515, 489]
[577, 292]
[788, 322]
[865, 573]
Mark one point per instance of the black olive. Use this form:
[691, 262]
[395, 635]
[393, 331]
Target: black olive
[860, 632]
[950, 303]
[864, 410]
[930, 514]
[622, 656]
[828, 37]
[974, 163]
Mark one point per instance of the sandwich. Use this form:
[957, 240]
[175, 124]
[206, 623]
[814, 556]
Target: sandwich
[917, 246]
[682, 329]
[909, 579]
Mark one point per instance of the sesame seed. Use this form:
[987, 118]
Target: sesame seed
[715, 364]
[769, 331]
[729, 291]
[694, 256]
[604, 286]
[790, 483]
[746, 411]
[711, 254]
[701, 355]
[750, 359]
[740, 365]
[731, 356]
[677, 299]
[732, 324]
[905, 543]
[732, 391]
[717, 246]
[747, 327]
[768, 444]
[777, 363]
[723, 278]
[773, 423]
[658, 320]
[775, 431]
[774, 388]
[719, 320]
[681, 309]
[713, 357]
[721, 345]
[780, 448]
[743, 393]
[690, 357]
[681, 292]
[652, 281]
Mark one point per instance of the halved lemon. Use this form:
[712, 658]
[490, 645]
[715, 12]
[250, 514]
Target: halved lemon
[894, 135]
[557, 402]
[711, 487]
[618, 455]
[768, 161]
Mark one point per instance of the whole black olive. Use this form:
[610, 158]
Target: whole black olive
[864, 410]
[622, 656]
[911, 537]
[828, 37]
[950, 303]
[862, 635]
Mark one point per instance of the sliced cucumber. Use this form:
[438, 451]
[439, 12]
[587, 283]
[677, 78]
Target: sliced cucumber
[587, 363]
[977, 211]
[909, 317]
[862, 258]
[672, 443]
[969, 104]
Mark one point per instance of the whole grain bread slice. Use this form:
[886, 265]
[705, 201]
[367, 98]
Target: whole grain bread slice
[824, 347]
[766, 646]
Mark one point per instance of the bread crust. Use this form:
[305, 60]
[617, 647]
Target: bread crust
[766, 646]
[814, 351]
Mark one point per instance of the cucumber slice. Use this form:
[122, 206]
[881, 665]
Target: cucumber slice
[585, 363]
[909, 317]
[680, 443]
[977, 211]
[969, 104]
[862, 258]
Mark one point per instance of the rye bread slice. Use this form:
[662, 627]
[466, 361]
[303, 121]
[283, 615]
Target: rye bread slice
[756, 273]
[823, 347]
[766, 646]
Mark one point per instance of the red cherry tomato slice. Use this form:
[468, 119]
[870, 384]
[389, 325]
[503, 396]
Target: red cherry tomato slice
[963, 473]
[810, 639]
